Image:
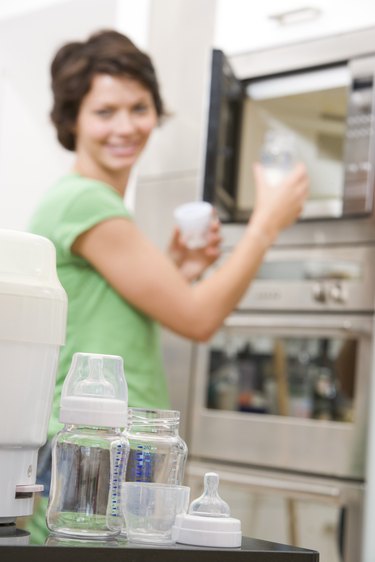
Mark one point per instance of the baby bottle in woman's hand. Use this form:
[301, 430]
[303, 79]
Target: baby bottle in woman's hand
[278, 155]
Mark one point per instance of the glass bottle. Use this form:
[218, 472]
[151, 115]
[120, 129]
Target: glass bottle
[89, 454]
[157, 452]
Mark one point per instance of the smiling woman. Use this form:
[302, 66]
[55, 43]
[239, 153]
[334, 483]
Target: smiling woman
[106, 105]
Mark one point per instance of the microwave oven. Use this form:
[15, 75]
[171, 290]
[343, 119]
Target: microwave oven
[326, 102]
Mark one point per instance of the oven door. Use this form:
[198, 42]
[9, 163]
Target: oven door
[308, 512]
[286, 391]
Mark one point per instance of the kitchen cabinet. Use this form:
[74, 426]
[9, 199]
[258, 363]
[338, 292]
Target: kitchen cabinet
[244, 26]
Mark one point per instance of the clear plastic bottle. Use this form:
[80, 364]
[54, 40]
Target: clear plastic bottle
[157, 452]
[278, 155]
[89, 455]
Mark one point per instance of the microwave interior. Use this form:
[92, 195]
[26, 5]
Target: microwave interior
[313, 107]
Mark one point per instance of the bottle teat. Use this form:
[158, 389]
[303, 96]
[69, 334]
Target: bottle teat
[210, 504]
[95, 384]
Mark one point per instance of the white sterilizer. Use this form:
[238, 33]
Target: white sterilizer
[33, 308]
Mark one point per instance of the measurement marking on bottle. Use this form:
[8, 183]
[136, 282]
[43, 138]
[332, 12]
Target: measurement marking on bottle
[118, 472]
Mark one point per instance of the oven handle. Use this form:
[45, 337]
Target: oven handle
[295, 323]
[296, 490]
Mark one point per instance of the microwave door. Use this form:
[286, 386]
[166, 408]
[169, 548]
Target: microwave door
[224, 122]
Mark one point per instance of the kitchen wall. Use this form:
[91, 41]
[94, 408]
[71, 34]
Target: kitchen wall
[30, 158]
[170, 172]
[30, 32]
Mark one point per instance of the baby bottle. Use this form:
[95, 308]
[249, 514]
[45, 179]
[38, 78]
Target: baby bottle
[157, 452]
[278, 155]
[90, 453]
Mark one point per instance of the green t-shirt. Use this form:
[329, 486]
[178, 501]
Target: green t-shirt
[99, 319]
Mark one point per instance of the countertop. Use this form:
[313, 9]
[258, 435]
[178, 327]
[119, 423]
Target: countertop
[63, 550]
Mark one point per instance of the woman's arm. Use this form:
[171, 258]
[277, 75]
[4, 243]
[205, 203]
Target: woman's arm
[146, 278]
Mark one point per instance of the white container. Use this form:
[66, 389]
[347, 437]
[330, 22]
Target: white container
[33, 307]
[193, 219]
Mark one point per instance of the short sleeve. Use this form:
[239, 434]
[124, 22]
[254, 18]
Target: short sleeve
[87, 208]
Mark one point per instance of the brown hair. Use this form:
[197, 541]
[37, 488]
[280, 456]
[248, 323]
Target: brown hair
[75, 65]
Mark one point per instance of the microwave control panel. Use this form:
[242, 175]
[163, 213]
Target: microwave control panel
[359, 160]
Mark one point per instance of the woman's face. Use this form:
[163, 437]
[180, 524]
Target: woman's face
[115, 120]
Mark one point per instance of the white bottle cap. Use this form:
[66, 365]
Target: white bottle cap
[207, 531]
[95, 392]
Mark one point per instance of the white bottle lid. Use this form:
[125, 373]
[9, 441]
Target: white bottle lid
[95, 392]
[220, 532]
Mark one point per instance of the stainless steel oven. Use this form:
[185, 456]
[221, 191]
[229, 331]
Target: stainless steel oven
[285, 392]
[280, 393]
[320, 92]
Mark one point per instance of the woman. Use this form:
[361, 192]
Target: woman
[106, 104]
[119, 285]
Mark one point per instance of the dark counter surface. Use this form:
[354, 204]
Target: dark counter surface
[74, 550]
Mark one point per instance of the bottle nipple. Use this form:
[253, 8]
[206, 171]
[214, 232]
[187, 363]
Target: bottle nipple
[210, 504]
[95, 384]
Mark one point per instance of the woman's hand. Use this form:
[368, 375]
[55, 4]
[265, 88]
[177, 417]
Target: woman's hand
[277, 207]
[192, 263]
